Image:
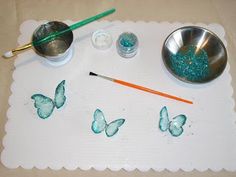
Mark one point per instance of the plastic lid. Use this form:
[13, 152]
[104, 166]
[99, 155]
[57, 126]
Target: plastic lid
[101, 39]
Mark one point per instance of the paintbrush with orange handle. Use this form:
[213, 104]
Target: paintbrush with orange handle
[142, 88]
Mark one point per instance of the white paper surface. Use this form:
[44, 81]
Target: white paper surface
[66, 140]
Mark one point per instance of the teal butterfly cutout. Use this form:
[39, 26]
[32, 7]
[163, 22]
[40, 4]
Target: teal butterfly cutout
[99, 124]
[175, 126]
[46, 105]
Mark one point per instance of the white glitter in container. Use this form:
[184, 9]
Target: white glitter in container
[101, 39]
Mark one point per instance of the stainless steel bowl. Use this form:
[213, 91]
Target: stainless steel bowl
[202, 39]
[58, 49]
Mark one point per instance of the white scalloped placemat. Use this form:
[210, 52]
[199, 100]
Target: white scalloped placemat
[65, 139]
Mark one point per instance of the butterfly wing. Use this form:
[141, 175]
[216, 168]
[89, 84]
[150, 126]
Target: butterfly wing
[176, 126]
[60, 97]
[164, 119]
[113, 127]
[44, 105]
[99, 123]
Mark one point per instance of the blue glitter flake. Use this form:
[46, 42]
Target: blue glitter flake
[128, 40]
[127, 45]
[190, 63]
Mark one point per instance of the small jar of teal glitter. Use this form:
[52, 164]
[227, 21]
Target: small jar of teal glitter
[127, 45]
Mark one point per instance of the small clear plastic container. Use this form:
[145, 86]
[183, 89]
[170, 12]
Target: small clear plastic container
[101, 39]
[127, 45]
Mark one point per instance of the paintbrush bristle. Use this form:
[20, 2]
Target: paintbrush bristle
[8, 54]
[92, 74]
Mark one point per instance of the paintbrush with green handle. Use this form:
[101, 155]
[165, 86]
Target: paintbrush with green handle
[52, 36]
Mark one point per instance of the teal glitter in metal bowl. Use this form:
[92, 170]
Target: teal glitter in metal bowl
[190, 63]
